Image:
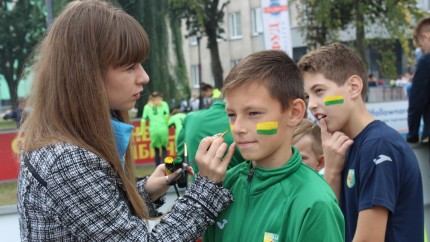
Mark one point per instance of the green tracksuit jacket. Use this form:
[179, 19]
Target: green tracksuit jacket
[290, 204]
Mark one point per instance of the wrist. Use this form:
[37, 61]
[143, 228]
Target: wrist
[333, 171]
[217, 182]
[332, 175]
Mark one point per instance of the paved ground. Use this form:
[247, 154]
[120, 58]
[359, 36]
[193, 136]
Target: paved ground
[9, 228]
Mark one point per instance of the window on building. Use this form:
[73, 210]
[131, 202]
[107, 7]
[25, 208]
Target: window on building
[193, 40]
[195, 77]
[234, 62]
[235, 25]
[256, 21]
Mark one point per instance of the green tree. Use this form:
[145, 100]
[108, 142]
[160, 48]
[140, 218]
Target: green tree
[22, 26]
[386, 19]
[169, 79]
[322, 20]
[58, 5]
[393, 17]
[203, 17]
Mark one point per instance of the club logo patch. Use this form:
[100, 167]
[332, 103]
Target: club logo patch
[270, 237]
[350, 180]
[221, 225]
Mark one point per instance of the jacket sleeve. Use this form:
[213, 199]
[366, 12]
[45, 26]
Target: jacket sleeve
[181, 141]
[152, 206]
[89, 201]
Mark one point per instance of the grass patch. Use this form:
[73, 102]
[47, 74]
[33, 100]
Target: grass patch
[144, 170]
[8, 189]
[7, 124]
[7, 193]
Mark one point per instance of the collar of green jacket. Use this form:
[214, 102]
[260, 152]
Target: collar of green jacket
[263, 178]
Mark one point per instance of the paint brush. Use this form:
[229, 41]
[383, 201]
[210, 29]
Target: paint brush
[222, 134]
[219, 135]
[182, 181]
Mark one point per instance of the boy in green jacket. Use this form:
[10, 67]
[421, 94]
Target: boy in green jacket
[276, 197]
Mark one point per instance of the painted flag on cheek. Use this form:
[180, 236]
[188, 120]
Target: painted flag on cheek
[267, 128]
[331, 100]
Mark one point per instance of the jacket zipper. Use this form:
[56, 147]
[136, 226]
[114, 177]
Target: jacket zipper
[248, 192]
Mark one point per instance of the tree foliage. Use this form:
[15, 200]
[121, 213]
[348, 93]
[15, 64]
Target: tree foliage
[386, 19]
[166, 77]
[322, 20]
[203, 18]
[22, 26]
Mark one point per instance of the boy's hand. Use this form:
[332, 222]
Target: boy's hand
[334, 146]
[211, 160]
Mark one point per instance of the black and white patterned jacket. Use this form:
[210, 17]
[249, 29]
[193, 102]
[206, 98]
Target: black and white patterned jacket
[83, 200]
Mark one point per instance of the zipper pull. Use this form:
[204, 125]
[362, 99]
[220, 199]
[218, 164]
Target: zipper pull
[251, 174]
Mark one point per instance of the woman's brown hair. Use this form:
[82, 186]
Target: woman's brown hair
[68, 99]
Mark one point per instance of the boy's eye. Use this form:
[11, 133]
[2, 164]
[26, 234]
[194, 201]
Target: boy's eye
[253, 113]
[318, 91]
[231, 116]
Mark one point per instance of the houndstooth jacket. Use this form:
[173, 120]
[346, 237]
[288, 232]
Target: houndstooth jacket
[66, 193]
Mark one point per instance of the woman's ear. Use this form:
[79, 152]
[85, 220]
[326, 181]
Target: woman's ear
[355, 85]
[297, 111]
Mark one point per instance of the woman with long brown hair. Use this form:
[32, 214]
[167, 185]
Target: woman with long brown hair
[77, 180]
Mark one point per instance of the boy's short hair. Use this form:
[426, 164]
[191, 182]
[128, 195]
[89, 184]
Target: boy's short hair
[156, 94]
[205, 87]
[272, 68]
[307, 127]
[422, 26]
[336, 62]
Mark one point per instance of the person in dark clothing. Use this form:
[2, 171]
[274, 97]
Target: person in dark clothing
[15, 114]
[419, 100]
[371, 81]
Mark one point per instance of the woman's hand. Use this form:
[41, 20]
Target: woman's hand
[157, 184]
[211, 160]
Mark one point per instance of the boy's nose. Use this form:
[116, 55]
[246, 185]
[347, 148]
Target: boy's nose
[312, 104]
[237, 127]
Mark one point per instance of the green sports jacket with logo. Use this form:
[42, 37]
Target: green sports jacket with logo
[291, 203]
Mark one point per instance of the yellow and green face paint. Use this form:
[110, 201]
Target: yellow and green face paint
[331, 100]
[267, 128]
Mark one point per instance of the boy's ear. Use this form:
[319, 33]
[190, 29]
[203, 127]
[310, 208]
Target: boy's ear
[297, 111]
[355, 86]
[321, 162]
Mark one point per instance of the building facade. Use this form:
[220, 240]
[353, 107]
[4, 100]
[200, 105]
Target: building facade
[243, 26]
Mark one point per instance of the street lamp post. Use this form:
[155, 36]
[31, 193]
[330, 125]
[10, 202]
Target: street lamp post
[49, 17]
[199, 36]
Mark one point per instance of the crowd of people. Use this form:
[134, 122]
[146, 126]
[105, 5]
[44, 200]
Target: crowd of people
[261, 171]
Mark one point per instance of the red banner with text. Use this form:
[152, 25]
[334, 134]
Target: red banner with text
[143, 153]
